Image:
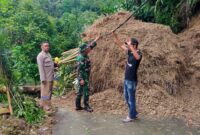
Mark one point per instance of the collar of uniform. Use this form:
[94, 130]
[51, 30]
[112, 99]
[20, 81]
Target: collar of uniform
[84, 55]
[46, 53]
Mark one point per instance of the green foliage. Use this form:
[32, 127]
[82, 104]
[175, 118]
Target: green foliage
[146, 12]
[57, 8]
[194, 5]
[105, 7]
[65, 78]
[165, 13]
[3, 99]
[131, 4]
[5, 5]
[174, 13]
[5, 72]
[26, 107]
[22, 67]
[24, 24]
[29, 22]
[29, 111]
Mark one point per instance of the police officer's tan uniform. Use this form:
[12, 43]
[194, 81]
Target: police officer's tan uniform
[46, 70]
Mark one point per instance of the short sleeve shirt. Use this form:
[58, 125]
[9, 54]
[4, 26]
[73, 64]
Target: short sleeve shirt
[132, 66]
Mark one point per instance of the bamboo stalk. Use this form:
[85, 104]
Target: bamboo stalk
[4, 111]
[73, 54]
[70, 51]
[69, 58]
[9, 101]
[65, 62]
[73, 74]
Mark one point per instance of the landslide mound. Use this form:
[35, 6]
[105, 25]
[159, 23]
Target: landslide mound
[162, 62]
[169, 72]
[190, 46]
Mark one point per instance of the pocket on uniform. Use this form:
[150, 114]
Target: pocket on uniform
[47, 63]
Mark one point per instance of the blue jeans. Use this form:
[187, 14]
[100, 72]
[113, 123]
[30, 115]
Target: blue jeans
[129, 94]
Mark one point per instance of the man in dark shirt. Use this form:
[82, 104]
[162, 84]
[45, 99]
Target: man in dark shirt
[130, 82]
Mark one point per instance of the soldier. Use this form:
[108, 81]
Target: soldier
[46, 71]
[83, 69]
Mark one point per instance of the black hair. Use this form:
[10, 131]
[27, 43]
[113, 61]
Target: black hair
[134, 41]
[44, 43]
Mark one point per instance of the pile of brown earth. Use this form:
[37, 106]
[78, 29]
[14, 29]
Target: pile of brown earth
[162, 64]
[168, 75]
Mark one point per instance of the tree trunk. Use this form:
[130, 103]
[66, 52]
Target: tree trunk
[30, 89]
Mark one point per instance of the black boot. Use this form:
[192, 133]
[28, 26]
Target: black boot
[79, 108]
[88, 109]
[86, 104]
[78, 103]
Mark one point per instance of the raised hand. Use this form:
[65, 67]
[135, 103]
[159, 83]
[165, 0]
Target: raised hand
[98, 37]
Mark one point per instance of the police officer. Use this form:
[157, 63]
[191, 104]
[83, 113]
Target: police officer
[46, 71]
[83, 69]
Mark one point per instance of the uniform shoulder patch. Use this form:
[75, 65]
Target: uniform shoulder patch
[80, 57]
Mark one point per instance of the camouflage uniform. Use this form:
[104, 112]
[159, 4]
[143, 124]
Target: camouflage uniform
[83, 70]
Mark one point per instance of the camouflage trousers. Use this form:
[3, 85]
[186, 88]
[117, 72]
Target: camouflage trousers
[83, 91]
